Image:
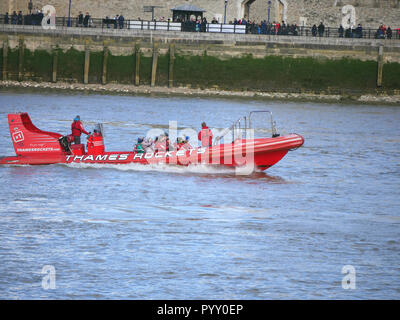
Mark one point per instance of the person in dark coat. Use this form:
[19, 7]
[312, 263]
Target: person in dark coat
[203, 26]
[14, 18]
[389, 33]
[321, 29]
[86, 20]
[341, 31]
[359, 31]
[121, 20]
[20, 18]
[80, 19]
[314, 30]
[6, 19]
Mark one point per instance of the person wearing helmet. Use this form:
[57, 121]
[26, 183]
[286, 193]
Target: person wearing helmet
[186, 145]
[77, 130]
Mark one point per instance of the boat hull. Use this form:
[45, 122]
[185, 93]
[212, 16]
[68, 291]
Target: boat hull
[260, 153]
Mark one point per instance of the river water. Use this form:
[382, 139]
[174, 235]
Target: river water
[159, 232]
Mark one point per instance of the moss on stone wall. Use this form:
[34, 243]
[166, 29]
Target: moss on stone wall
[12, 64]
[241, 73]
[274, 73]
[95, 67]
[162, 70]
[391, 76]
[120, 69]
[37, 65]
[71, 65]
[145, 70]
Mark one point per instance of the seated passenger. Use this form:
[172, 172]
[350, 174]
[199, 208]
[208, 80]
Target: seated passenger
[95, 143]
[148, 145]
[161, 143]
[186, 145]
[139, 147]
[179, 143]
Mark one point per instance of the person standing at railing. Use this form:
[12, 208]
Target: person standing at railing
[6, 18]
[389, 33]
[116, 21]
[14, 18]
[80, 19]
[359, 31]
[341, 31]
[107, 22]
[20, 18]
[86, 20]
[203, 25]
[321, 29]
[314, 30]
[121, 20]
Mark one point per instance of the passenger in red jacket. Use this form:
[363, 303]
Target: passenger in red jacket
[205, 136]
[95, 143]
[77, 129]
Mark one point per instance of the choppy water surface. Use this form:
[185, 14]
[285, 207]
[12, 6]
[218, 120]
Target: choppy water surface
[142, 232]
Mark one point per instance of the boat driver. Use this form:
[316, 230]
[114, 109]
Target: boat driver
[77, 130]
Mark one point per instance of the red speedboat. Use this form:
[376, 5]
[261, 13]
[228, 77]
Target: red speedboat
[34, 146]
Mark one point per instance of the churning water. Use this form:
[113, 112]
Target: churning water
[160, 232]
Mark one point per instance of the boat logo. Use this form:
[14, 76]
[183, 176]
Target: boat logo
[18, 136]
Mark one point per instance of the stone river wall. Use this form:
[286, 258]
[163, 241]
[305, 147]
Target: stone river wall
[259, 63]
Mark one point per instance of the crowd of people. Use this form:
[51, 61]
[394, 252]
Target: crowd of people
[252, 27]
[384, 32]
[117, 22]
[162, 142]
[276, 28]
[86, 21]
[35, 17]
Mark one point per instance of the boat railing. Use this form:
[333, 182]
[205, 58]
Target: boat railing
[240, 128]
[271, 119]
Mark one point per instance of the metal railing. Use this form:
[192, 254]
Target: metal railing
[191, 26]
[241, 127]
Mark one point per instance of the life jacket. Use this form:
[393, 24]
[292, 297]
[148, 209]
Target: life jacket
[161, 146]
[205, 136]
[138, 148]
[77, 129]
